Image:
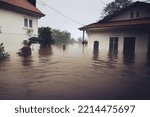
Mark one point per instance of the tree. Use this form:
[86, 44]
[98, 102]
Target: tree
[45, 36]
[3, 54]
[115, 6]
[61, 37]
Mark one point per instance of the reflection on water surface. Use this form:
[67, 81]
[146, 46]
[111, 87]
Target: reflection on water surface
[75, 72]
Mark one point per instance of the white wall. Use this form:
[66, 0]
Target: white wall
[104, 36]
[12, 27]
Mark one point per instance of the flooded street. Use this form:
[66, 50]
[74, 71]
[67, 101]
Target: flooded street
[75, 72]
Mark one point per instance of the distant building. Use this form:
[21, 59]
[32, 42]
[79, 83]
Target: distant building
[127, 30]
[19, 20]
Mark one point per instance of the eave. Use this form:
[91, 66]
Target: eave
[144, 22]
[21, 10]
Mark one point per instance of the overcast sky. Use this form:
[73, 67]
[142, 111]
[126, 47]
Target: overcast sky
[82, 11]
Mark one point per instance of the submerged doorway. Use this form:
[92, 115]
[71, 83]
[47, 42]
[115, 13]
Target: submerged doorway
[129, 45]
[96, 45]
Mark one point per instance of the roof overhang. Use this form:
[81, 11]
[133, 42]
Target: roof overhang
[17, 9]
[135, 23]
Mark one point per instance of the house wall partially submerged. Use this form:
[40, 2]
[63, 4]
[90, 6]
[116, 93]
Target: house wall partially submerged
[127, 30]
[103, 37]
[13, 30]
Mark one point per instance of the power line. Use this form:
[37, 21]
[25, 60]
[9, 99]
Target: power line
[60, 13]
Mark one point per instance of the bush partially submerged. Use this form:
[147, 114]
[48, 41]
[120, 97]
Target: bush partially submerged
[24, 51]
[3, 54]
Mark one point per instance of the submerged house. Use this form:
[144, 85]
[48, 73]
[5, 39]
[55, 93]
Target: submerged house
[127, 30]
[19, 21]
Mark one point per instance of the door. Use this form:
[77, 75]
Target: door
[129, 45]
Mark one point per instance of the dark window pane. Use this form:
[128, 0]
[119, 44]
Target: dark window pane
[132, 15]
[30, 23]
[26, 22]
[137, 14]
[111, 39]
[113, 44]
[116, 39]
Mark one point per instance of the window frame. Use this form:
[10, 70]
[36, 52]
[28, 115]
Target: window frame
[30, 23]
[137, 14]
[25, 22]
[132, 14]
[113, 43]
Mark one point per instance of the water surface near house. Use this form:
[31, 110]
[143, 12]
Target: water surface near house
[75, 72]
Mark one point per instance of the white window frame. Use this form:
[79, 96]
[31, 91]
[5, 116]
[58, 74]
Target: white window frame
[25, 22]
[29, 23]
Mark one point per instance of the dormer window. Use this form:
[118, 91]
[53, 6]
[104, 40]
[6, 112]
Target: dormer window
[132, 15]
[137, 14]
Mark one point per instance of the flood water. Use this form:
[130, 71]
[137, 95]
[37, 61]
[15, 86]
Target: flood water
[75, 72]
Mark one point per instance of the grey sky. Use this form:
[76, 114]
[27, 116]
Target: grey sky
[82, 11]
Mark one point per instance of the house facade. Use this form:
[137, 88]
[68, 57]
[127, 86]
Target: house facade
[127, 30]
[19, 21]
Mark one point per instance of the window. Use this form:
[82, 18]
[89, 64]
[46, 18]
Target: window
[25, 22]
[113, 44]
[132, 15]
[137, 14]
[30, 23]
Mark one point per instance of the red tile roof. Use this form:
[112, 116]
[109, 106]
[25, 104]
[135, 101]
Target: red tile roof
[23, 4]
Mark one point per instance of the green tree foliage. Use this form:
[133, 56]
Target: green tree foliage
[115, 6]
[61, 37]
[50, 36]
[45, 36]
[3, 54]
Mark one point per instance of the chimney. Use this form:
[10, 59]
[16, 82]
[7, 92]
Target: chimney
[33, 2]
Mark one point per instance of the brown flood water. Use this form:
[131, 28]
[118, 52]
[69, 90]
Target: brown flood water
[75, 72]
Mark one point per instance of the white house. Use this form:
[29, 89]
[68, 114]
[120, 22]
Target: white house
[127, 30]
[18, 21]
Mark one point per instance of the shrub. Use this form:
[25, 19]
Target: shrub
[3, 54]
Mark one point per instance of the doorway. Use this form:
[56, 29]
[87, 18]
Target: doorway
[129, 45]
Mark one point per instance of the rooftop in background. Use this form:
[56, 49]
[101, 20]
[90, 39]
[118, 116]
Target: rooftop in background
[107, 23]
[21, 6]
[143, 4]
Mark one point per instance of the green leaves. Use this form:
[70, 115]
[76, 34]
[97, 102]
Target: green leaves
[3, 54]
[115, 6]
